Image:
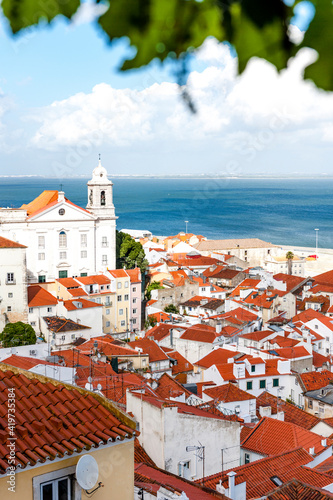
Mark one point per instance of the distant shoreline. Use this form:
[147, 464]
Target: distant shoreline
[183, 176]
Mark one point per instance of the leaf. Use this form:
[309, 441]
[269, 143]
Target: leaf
[260, 29]
[24, 13]
[160, 27]
[319, 36]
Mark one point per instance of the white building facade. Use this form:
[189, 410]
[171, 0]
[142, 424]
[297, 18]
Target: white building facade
[63, 239]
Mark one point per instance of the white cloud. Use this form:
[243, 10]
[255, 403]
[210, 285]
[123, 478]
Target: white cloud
[262, 106]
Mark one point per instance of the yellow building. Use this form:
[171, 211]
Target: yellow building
[47, 426]
[120, 285]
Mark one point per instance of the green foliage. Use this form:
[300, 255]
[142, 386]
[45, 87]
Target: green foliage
[129, 253]
[173, 28]
[155, 285]
[16, 334]
[171, 308]
[24, 13]
[150, 322]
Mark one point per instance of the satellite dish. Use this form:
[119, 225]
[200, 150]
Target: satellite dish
[87, 472]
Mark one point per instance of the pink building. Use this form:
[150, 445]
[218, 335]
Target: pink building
[135, 298]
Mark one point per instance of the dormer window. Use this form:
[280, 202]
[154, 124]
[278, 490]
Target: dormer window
[253, 368]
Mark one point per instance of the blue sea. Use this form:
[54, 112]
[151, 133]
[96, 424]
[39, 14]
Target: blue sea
[281, 211]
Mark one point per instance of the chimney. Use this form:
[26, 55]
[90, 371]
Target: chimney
[312, 451]
[280, 415]
[265, 411]
[323, 442]
[218, 328]
[61, 196]
[231, 485]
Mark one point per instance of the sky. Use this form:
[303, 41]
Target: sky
[63, 101]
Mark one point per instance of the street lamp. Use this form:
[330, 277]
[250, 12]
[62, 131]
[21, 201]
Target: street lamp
[186, 222]
[316, 243]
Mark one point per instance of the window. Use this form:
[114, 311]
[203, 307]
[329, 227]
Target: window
[126, 284]
[62, 274]
[84, 274]
[41, 278]
[119, 285]
[98, 300]
[126, 297]
[31, 309]
[249, 386]
[10, 279]
[102, 287]
[41, 242]
[62, 255]
[119, 298]
[10, 295]
[102, 198]
[253, 368]
[104, 242]
[134, 321]
[134, 288]
[275, 382]
[107, 324]
[134, 301]
[107, 312]
[134, 311]
[73, 336]
[108, 301]
[310, 403]
[262, 384]
[63, 337]
[9, 308]
[49, 309]
[33, 323]
[62, 239]
[104, 260]
[58, 489]
[321, 408]
[83, 254]
[316, 327]
[121, 312]
[122, 323]
[41, 256]
[84, 240]
[247, 458]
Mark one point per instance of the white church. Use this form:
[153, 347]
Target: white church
[63, 239]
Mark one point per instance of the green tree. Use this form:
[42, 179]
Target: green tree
[290, 257]
[161, 29]
[155, 285]
[16, 334]
[171, 308]
[150, 322]
[129, 253]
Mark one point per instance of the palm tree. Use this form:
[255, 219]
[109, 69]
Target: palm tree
[289, 257]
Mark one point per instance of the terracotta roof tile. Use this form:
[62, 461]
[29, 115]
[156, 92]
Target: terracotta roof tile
[38, 296]
[227, 393]
[45, 436]
[151, 348]
[295, 489]
[316, 380]
[5, 243]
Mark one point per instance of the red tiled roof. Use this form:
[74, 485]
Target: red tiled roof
[315, 380]
[56, 324]
[200, 333]
[134, 274]
[271, 436]
[182, 366]
[151, 348]
[151, 479]
[196, 261]
[55, 419]
[326, 466]
[289, 279]
[96, 279]
[24, 362]
[159, 316]
[38, 296]
[239, 313]
[107, 348]
[258, 474]
[324, 278]
[227, 393]
[68, 282]
[319, 360]
[292, 413]
[257, 336]
[321, 300]
[140, 455]
[71, 305]
[159, 332]
[118, 273]
[295, 489]
[217, 356]
[168, 388]
[292, 352]
[5, 243]
[247, 283]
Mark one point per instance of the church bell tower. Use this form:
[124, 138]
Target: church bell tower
[100, 196]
